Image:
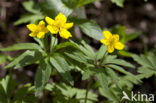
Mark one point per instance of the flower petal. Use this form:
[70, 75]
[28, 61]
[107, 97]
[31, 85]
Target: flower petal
[68, 25]
[49, 20]
[116, 37]
[41, 35]
[104, 41]
[119, 46]
[53, 29]
[110, 48]
[31, 27]
[65, 34]
[32, 34]
[61, 18]
[107, 34]
[41, 23]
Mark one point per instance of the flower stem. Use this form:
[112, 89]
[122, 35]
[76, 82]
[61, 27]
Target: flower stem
[103, 57]
[54, 42]
[88, 87]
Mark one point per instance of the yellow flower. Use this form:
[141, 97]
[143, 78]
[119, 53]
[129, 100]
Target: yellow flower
[37, 30]
[59, 25]
[111, 41]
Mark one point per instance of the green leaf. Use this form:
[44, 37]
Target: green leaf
[64, 45]
[119, 3]
[92, 30]
[77, 95]
[25, 94]
[29, 6]
[120, 62]
[8, 85]
[22, 46]
[101, 52]
[33, 15]
[121, 70]
[132, 36]
[78, 56]
[111, 59]
[53, 7]
[124, 53]
[27, 58]
[28, 18]
[2, 58]
[142, 60]
[114, 76]
[105, 91]
[42, 75]
[77, 3]
[148, 65]
[62, 67]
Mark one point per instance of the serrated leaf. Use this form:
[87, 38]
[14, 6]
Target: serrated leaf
[27, 58]
[142, 60]
[120, 62]
[78, 56]
[77, 95]
[24, 94]
[114, 76]
[101, 52]
[22, 46]
[42, 75]
[62, 67]
[92, 30]
[8, 85]
[64, 45]
[28, 18]
[77, 3]
[53, 7]
[104, 84]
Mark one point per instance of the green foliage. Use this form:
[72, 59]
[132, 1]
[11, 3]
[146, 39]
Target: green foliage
[42, 75]
[148, 65]
[77, 3]
[21, 95]
[53, 7]
[21, 46]
[27, 58]
[33, 15]
[107, 74]
[62, 67]
[92, 30]
[63, 93]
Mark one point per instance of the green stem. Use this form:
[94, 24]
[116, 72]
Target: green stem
[51, 43]
[43, 41]
[103, 57]
[54, 42]
[88, 87]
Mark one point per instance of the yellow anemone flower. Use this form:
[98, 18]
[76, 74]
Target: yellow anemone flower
[37, 30]
[111, 41]
[59, 25]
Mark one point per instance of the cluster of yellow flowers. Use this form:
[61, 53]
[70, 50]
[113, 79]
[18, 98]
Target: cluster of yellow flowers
[58, 25]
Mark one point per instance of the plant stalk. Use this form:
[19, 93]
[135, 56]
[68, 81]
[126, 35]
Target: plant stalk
[88, 87]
